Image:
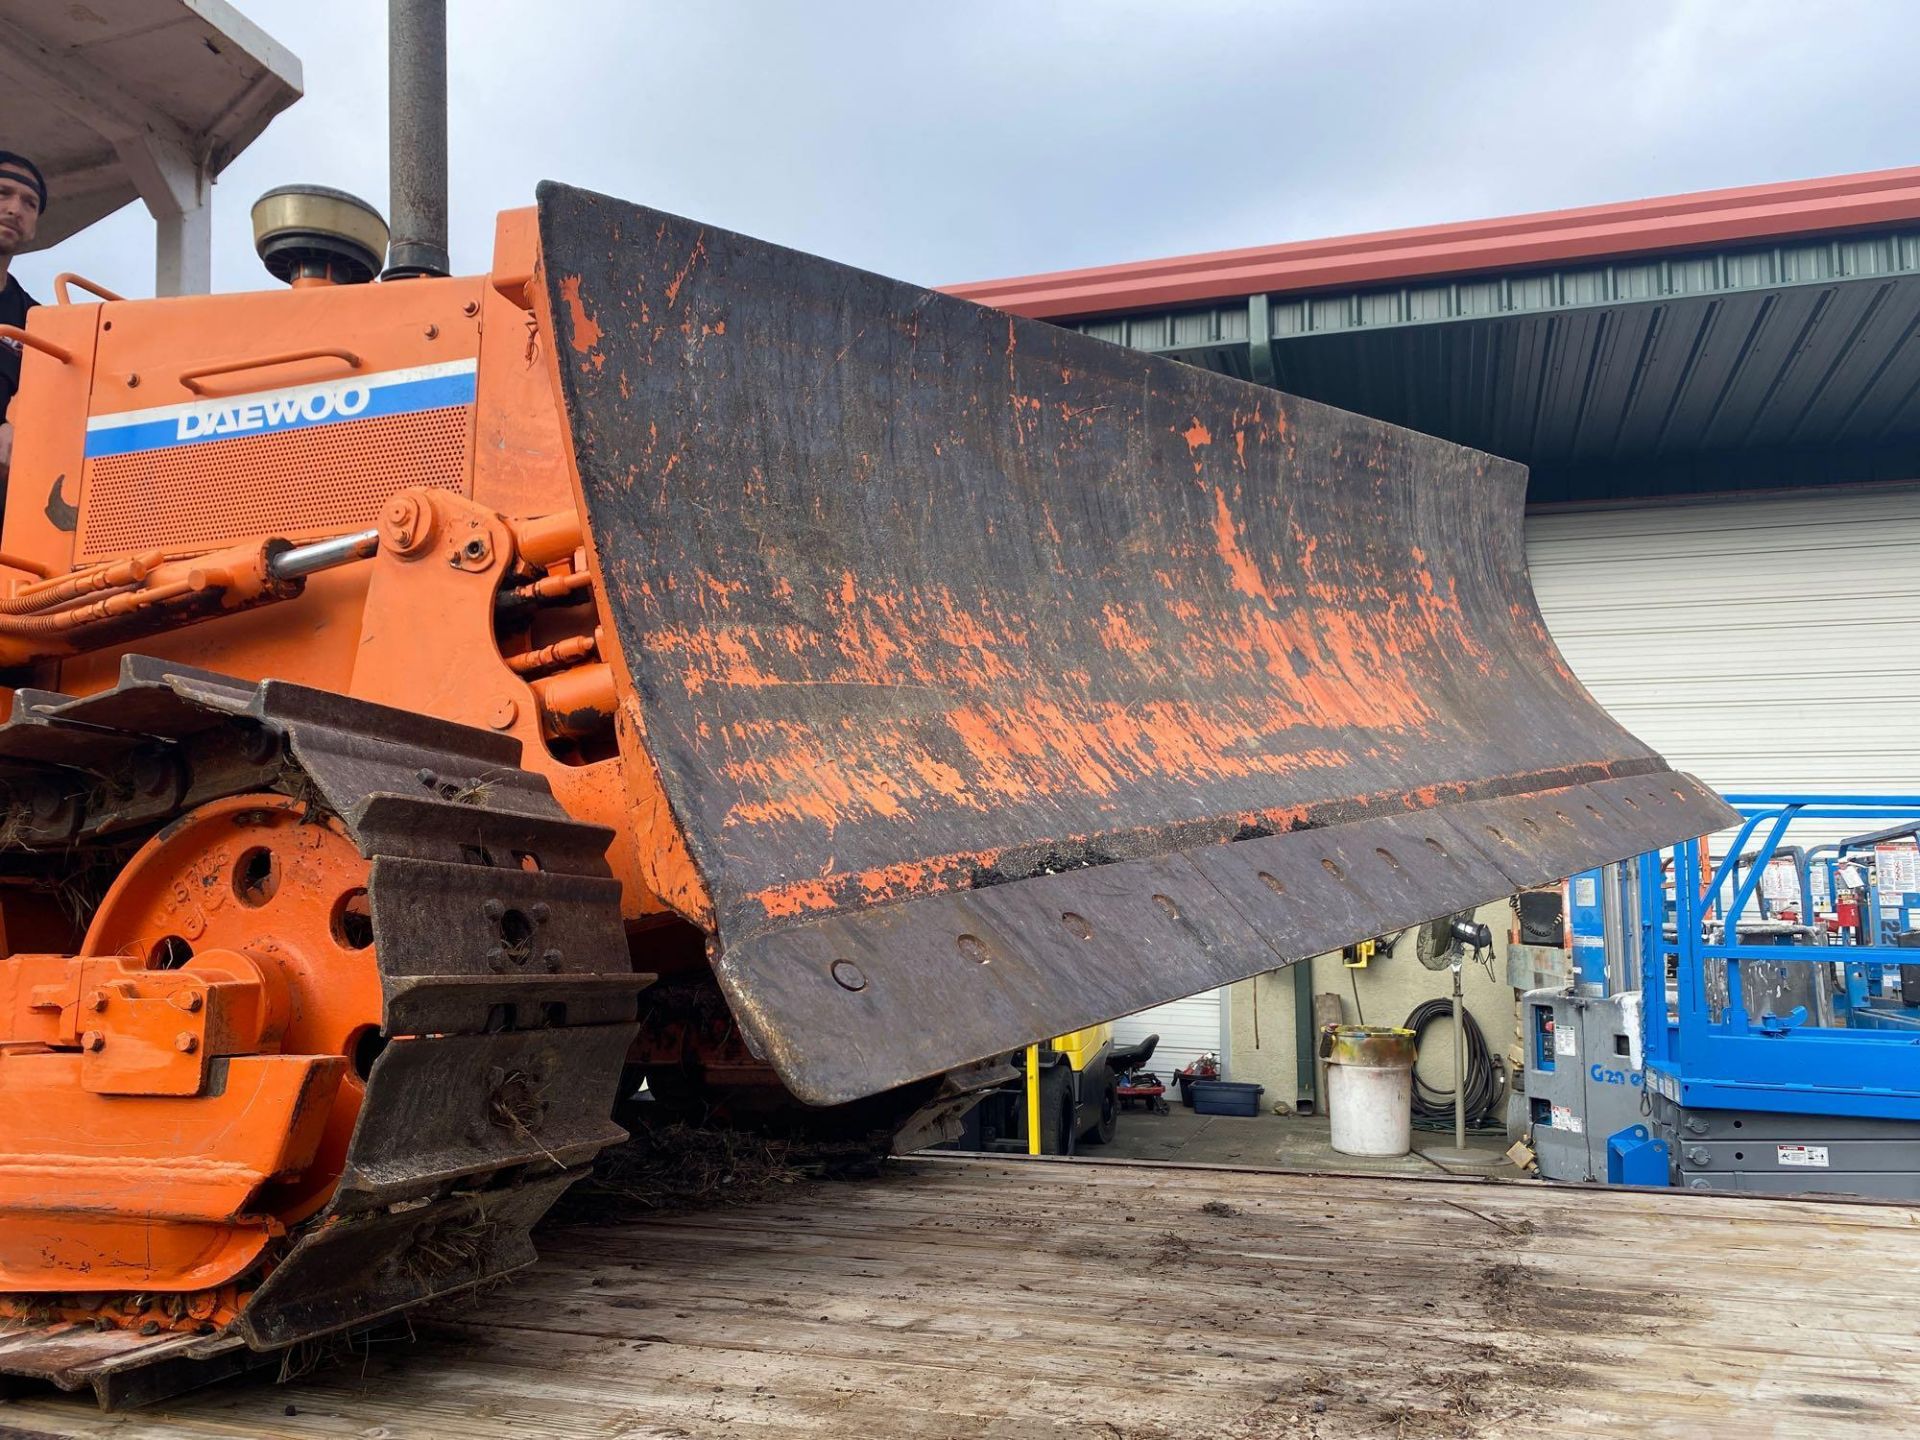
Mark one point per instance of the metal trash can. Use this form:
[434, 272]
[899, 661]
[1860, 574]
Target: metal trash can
[1369, 1088]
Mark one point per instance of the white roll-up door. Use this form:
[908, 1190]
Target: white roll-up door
[1187, 1029]
[1763, 644]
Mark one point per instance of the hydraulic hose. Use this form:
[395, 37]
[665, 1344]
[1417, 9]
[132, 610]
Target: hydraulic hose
[1433, 1108]
[55, 591]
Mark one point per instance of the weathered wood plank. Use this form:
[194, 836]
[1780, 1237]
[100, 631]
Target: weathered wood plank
[1008, 1298]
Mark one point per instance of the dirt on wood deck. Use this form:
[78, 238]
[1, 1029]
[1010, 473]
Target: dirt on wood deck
[1114, 1301]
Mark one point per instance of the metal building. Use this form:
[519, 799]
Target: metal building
[1719, 397]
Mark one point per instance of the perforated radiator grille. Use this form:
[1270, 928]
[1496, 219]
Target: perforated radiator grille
[295, 483]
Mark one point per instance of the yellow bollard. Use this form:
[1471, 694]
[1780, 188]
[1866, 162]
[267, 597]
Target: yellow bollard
[1033, 1099]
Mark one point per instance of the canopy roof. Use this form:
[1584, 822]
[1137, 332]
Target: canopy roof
[1734, 339]
[124, 99]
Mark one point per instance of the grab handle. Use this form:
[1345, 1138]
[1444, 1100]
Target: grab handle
[67, 277]
[34, 342]
[192, 378]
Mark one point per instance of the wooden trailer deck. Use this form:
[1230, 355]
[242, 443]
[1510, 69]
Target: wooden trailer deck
[1011, 1298]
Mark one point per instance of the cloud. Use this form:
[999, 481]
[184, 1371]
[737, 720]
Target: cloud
[954, 142]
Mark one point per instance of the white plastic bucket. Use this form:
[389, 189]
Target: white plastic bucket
[1370, 1089]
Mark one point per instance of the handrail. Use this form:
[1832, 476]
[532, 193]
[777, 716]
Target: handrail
[1743, 889]
[1857, 804]
[67, 277]
[34, 342]
[191, 378]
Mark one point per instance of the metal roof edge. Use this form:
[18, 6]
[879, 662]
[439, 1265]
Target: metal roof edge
[1636, 227]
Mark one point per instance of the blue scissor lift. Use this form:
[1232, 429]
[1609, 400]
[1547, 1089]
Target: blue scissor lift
[1781, 1054]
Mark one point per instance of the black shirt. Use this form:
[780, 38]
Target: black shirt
[14, 304]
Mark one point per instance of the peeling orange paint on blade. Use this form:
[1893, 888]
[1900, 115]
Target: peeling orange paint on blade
[1246, 575]
[585, 333]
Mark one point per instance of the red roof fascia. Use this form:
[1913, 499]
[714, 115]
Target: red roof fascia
[1636, 227]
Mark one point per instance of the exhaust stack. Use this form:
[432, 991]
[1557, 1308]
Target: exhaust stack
[417, 137]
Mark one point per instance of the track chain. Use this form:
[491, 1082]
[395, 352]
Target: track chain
[508, 995]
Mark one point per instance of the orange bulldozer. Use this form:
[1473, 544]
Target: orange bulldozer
[441, 704]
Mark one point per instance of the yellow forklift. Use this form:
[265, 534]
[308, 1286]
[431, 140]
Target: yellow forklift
[1068, 1095]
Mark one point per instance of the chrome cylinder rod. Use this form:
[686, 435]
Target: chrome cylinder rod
[304, 560]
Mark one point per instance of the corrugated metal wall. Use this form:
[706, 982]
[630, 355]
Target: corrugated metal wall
[1764, 644]
[1708, 372]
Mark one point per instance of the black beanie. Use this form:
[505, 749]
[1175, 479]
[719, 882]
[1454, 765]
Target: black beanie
[11, 161]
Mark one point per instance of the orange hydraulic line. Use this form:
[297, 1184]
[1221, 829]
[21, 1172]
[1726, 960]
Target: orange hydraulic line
[548, 538]
[109, 607]
[562, 652]
[32, 599]
[239, 576]
[550, 587]
[575, 702]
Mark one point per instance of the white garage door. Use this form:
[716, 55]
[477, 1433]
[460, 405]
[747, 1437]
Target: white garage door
[1763, 644]
[1187, 1029]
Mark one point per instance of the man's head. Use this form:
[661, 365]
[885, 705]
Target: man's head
[23, 195]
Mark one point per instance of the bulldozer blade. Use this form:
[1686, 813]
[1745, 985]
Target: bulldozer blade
[1001, 681]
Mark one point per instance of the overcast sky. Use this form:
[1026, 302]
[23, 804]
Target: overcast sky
[968, 140]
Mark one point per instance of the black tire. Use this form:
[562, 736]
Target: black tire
[1109, 1122]
[1056, 1110]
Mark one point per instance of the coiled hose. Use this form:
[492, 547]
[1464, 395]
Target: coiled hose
[1486, 1089]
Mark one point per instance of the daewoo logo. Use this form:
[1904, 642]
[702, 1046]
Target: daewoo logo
[339, 402]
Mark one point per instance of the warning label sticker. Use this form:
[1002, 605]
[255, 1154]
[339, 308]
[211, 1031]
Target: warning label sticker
[1565, 1119]
[1805, 1155]
[1566, 1040]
